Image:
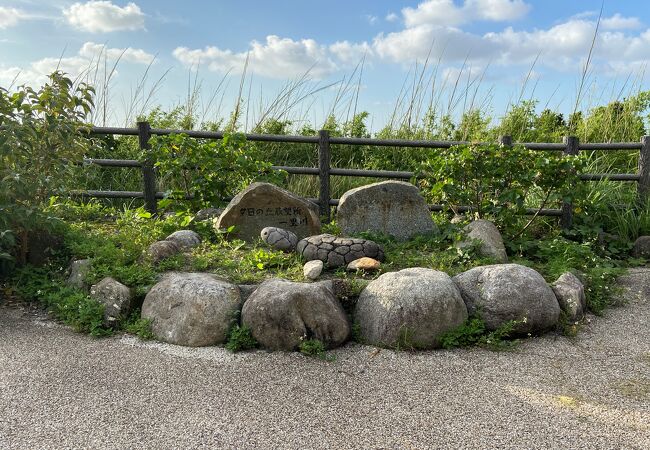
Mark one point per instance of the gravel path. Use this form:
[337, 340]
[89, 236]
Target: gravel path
[59, 389]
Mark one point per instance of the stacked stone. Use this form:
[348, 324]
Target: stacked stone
[336, 251]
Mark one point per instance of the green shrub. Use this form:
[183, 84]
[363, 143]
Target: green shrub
[210, 171]
[70, 305]
[43, 136]
[497, 182]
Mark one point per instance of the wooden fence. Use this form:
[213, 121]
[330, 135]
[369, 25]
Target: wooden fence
[324, 171]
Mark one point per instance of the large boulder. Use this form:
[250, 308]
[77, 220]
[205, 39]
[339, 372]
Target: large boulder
[489, 237]
[116, 298]
[79, 270]
[393, 208]
[411, 308]
[336, 251]
[263, 205]
[570, 294]
[505, 292]
[281, 314]
[191, 309]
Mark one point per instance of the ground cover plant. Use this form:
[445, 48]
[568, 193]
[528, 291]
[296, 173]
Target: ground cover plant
[498, 182]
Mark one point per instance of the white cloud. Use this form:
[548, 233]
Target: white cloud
[447, 43]
[446, 12]
[391, 17]
[349, 53]
[102, 16]
[10, 17]
[84, 64]
[372, 20]
[93, 51]
[276, 58]
[618, 22]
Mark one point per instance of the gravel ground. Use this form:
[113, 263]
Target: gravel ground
[59, 389]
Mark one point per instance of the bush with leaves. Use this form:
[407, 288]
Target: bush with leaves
[43, 136]
[498, 182]
[209, 171]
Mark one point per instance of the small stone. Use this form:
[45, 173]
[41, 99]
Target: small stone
[365, 263]
[279, 239]
[185, 239]
[641, 247]
[160, 250]
[490, 238]
[116, 299]
[79, 269]
[207, 214]
[313, 269]
[570, 294]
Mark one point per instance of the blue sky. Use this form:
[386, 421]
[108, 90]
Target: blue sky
[480, 52]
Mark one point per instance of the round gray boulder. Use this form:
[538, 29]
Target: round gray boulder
[489, 237]
[281, 314]
[411, 308]
[185, 239]
[191, 309]
[505, 292]
[279, 239]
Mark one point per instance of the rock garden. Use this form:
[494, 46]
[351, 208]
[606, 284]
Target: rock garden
[463, 254]
[265, 273]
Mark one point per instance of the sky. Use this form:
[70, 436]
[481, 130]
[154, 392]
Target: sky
[303, 60]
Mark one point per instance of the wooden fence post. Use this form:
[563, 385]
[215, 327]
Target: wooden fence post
[505, 140]
[148, 174]
[566, 220]
[324, 161]
[643, 188]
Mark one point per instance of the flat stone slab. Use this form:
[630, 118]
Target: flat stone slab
[394, 208]
[263, 205]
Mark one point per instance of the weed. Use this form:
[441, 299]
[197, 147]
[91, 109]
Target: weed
[355, 332]
[138, 326]
[315, 348]
[240, 338]
[473, 333]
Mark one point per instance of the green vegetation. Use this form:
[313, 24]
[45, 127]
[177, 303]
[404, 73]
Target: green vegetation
[498, 182]
[315, 348]
[209, 171]
[44, 139]
[240, 338]
[473, 332]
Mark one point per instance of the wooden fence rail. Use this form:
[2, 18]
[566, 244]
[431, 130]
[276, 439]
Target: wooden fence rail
[324, 171]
